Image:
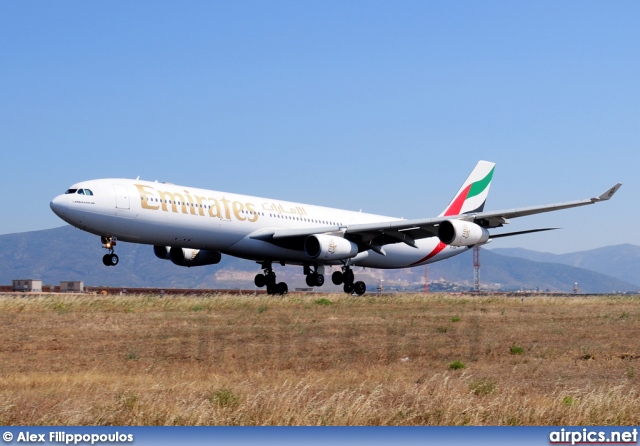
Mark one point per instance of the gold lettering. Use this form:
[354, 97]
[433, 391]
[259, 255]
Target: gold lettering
[225, 202]
[144, 195]
[172, 198]
[215, 206]
[190, 203]
[254, 214]
[200, 206]
[237, 207]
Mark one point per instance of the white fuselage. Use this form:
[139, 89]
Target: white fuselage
[164, 214]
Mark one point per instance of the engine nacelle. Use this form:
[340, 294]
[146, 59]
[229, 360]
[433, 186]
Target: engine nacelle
[194, 257]
[329, 247]
[462, 233]
[162, 252]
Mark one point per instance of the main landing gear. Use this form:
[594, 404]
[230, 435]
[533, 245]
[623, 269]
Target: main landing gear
[110, 259]
[269, 279]
[347, 278]
[315, 277]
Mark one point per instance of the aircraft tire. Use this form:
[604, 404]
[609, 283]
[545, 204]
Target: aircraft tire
[105, 260]
[282, 288]
[319, 279]
[271, 288]
[348, 288]
[260, 280]
[348, 276]
[113, 260]
[311, 280]
[336, 278]
[359, 287]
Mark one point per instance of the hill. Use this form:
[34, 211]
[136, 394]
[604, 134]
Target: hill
[620, 261]
[67, 253]
[512, 273]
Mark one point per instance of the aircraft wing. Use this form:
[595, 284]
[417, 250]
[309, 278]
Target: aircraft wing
[376, 235]
[495, 219]
[384, 232]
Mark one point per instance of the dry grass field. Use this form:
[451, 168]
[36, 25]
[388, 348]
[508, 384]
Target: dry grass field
[319, 359]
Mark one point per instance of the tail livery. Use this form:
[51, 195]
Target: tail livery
[473, 194]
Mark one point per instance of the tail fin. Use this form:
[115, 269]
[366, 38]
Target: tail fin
[473, 193]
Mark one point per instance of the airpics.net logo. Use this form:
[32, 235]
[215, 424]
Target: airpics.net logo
[587, 436]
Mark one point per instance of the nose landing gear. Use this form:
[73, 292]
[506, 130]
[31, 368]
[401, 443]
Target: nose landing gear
[110, 259]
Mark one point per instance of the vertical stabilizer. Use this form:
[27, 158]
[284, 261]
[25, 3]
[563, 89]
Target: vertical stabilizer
[473, 194]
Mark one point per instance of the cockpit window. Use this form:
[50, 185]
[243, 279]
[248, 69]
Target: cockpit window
[79, 191]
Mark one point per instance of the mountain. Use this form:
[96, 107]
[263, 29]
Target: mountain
[512, 273]
[66, 253]
[620, 261]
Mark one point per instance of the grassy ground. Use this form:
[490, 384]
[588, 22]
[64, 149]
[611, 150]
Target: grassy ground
[319, 359]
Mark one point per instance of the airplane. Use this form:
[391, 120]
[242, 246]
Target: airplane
[194, 227]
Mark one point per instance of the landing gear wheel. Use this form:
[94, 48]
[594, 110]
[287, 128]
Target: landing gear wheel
[336, 278]
[282, 288]
[347, 276]
[260, 280]
[269, 279]
[359, 287]
[110, 259]
[348, 288]
[310, 280]
[315, 279]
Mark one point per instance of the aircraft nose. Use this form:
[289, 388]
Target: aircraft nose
[57, 205]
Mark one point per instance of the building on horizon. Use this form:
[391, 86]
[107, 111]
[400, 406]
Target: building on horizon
[27, 285]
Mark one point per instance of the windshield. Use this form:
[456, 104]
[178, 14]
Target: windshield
[79, 191]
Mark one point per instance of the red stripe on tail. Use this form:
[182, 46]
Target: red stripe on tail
[455, 207]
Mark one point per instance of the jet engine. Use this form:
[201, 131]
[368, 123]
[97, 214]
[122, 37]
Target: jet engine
[329, 247]
[462, 233]
[193, 257]
[162, 252]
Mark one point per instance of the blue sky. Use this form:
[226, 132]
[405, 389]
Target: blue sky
[379, 106]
